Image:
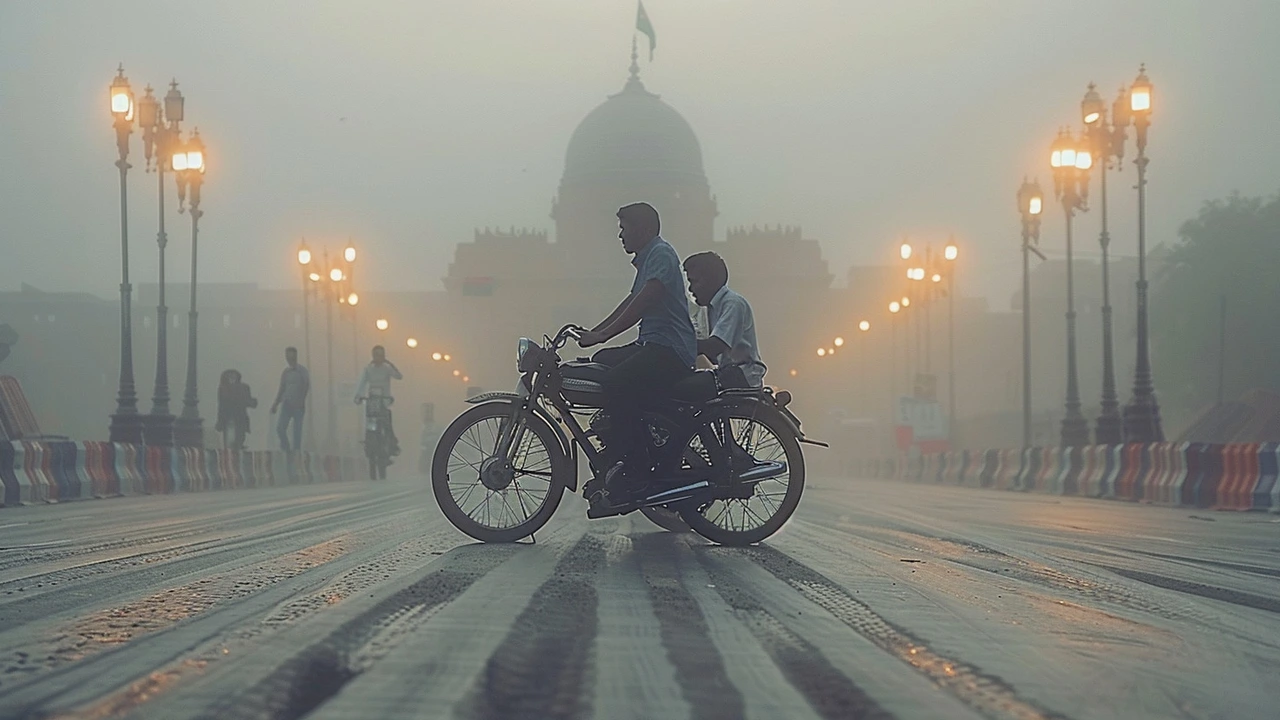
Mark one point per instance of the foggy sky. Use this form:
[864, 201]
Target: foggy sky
[859, 120]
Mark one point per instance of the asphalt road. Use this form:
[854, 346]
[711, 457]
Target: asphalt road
[878, 600]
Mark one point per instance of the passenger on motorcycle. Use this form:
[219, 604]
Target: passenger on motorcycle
[663, 354]
[376, 380]
[731, 345]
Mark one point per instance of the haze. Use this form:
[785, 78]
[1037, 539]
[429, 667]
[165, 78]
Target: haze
[407, 124]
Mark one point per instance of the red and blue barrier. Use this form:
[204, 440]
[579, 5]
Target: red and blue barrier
[36, 471]
[1236, 476]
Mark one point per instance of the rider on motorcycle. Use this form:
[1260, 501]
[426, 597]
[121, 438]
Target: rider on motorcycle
[376, 380]
[663, 354]
[731, 345]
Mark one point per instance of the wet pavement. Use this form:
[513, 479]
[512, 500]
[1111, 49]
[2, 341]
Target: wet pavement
[359, 600]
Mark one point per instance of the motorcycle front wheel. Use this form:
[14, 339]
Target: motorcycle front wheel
[491, 498]
[764, 507]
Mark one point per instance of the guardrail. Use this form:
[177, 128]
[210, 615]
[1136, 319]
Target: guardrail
[1236, 476]
[35, 471]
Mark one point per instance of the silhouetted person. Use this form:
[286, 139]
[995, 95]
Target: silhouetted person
[663, 354]
[375, 380]
[731, 344]
[234, 402]
[295, 383]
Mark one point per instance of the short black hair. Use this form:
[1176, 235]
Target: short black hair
[291, 349]
[641, 213]
[379, 347]
[710, 263]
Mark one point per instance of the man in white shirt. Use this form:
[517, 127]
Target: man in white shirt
[732, 340]
[376, 381]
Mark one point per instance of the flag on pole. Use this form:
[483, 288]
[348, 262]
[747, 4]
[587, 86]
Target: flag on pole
[646, 27]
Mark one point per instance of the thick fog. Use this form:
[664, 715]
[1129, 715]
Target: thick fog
[405, 126]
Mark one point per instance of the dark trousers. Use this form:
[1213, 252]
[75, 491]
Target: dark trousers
[637, 373]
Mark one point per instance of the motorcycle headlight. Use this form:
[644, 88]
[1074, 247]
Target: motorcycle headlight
[522, 349]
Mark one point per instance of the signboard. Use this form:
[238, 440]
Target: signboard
[920, 422]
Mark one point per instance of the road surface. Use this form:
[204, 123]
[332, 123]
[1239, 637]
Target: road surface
[879, 601]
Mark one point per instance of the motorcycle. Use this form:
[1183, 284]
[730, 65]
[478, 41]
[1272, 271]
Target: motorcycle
[377, 436]
[727, 463]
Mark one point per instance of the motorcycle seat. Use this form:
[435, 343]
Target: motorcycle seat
[699, 387]
[583, 377]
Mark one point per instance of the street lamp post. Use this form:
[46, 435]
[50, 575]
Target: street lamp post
[1030, 205]
[1071, 163]
[126, 423]
[949, 254]
[188, 165]
[1142, 414]
[894, 308]
[158, 140]
[309, 276]
[1107, 142]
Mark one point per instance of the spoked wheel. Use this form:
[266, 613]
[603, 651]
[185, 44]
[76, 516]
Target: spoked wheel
[492, 498]
[757, 510]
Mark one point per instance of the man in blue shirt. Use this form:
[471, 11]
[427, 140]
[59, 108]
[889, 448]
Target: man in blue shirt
[662, 355]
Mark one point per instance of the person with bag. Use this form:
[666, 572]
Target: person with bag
[234, 401]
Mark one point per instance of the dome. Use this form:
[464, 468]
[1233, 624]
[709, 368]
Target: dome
[633, 132]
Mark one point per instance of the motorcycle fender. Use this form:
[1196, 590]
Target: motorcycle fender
[751, 401]
[566, 447]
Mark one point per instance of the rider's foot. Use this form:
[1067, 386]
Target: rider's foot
[612, 496]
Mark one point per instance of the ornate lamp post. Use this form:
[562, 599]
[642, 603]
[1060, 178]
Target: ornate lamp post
[188, 166]
[158, 141]
[1142, 414]
[1071, 162]
[1106, 140]
[126, 423]
[1030, 205]
[308, 277]
[331, 285]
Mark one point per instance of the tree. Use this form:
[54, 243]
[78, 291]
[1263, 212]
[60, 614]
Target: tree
[1231, 249]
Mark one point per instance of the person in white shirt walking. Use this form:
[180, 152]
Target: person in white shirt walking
[376, 381]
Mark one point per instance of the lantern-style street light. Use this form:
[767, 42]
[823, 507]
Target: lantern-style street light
[1105, 136]
[188, 162]
[1142, 414]
[159, 140]
[126, 423]
[1030, 205]
[1071, 161]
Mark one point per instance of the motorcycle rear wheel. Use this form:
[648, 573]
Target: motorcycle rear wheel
[528, 499]
[766, 436]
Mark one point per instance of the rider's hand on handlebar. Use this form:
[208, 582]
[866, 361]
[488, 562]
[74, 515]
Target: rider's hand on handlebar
[589, 338]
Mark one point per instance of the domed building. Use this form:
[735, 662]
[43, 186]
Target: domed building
[632, 147]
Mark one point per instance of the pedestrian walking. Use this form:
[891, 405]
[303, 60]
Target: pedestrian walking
[291, 399]
[234, 401]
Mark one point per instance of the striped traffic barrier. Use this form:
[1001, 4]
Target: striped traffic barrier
[261, 461]
[990, 461]
[159, 469]
[1268, 470]
[1095, 464]
[1115, 461]
[1073, 465]
[1195, 455]
[12, 492]
[36, 465]
[1047, 476]
[279, 468]
[130, 468]
[1239, 476]
[63, 462]
[1211, 469]
[1165, 485]
[212, 468]
[333, 469]
[1156, 471]
[99, 467]
[1131, 468]
[1030, 468]
[229, 468]
[1010, 468]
